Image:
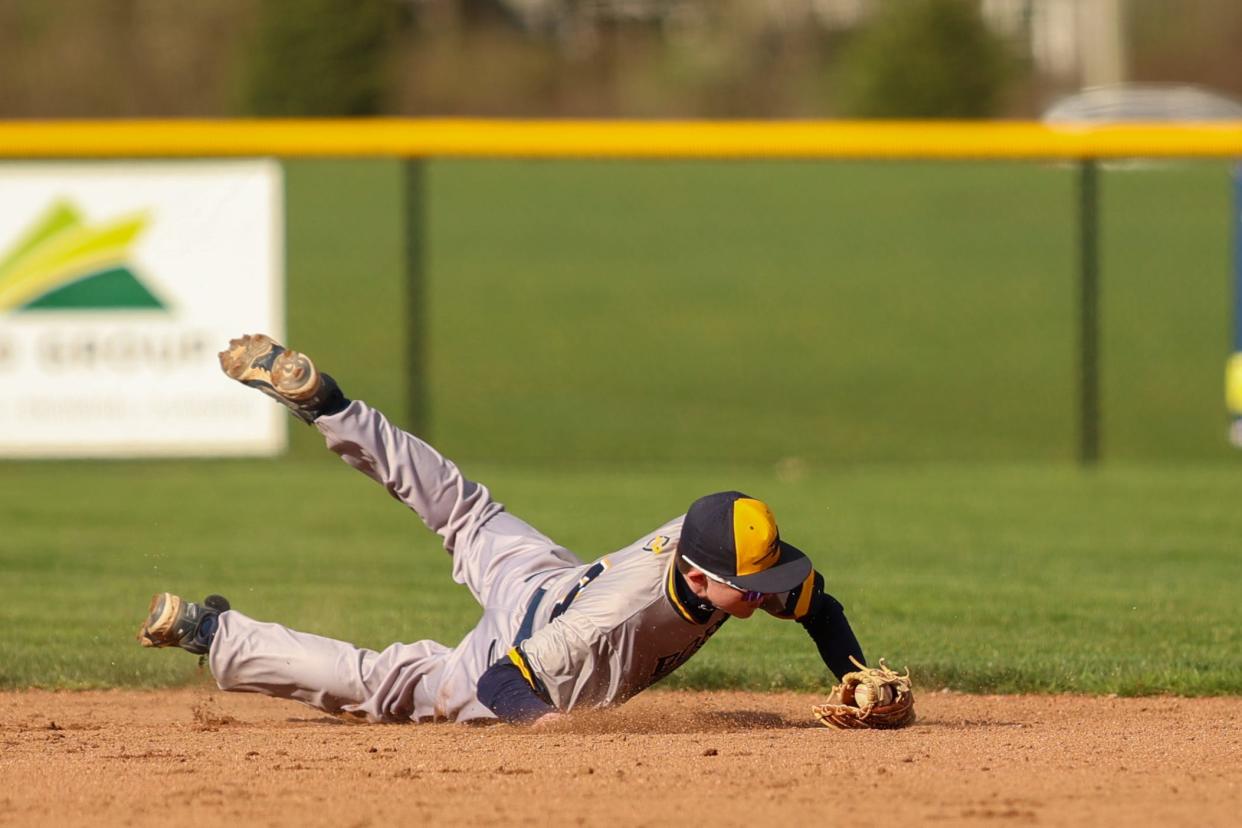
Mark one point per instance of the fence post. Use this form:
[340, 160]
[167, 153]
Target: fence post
[1088, 314]
[417, 407]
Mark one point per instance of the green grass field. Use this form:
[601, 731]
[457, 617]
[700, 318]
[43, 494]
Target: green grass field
[999, 578]
[884, 352]
[853, 312]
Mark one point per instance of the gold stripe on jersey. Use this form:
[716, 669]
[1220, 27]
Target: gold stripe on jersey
[671, 588]
[519, 661]
[804, 597]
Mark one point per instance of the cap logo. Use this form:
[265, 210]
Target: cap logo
[755, 536]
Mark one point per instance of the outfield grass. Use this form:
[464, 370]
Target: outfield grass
[611, 312]
[886, 352]
[986, 578]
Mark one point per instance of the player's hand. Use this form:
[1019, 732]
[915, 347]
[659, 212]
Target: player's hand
[546, 720]
[869, 697]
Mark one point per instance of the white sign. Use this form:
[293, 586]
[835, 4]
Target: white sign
[119, 282]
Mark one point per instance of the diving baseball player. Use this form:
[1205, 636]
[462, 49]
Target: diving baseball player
[556, 634]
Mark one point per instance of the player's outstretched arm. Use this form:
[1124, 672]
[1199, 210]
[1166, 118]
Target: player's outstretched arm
[823, 617]
[830, 630]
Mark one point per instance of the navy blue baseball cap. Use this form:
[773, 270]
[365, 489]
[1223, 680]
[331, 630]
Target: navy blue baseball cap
[735, 538]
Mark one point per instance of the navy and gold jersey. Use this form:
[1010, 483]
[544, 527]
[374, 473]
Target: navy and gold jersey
[621, 624]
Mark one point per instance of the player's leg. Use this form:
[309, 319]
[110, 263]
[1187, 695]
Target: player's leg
[491, 549]
[483, 646]
[397, 684]
[494, 552]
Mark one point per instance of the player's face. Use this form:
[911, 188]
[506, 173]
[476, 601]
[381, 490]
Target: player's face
[732, 600]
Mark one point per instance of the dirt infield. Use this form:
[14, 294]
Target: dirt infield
[726, 758]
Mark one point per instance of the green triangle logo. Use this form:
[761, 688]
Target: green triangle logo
[60, 263]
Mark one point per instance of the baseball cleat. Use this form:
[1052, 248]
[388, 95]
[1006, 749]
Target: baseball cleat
[289, 377]
[173, 621]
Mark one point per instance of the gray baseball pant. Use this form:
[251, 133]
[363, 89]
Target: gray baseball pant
[502, 561]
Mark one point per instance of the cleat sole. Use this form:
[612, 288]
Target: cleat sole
[161, 616]
[259, 361]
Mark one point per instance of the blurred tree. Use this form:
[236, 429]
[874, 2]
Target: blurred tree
[591, 58]
[320, 57]
[119, 58]
[925, 59]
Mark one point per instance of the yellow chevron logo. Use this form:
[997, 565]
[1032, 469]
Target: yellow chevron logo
[61, 263]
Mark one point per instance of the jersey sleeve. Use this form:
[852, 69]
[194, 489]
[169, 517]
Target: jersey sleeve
[823, 617]
[562, 656]
[799, 602]
[833, 636]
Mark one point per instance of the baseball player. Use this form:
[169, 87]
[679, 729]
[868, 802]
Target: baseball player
[556, 634]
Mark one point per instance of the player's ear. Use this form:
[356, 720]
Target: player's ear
[697, 581]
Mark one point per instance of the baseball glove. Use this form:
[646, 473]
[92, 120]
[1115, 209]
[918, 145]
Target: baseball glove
[872, 697]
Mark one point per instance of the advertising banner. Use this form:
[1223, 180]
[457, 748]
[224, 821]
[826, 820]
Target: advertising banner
[119, 282]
